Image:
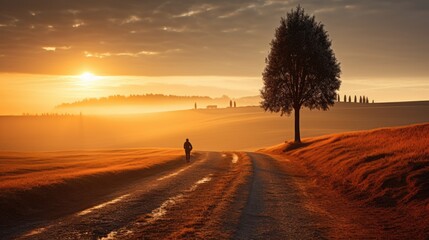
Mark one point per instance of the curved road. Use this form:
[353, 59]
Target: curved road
[219, 196]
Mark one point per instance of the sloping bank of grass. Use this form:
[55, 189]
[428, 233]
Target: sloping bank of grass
[387, 167]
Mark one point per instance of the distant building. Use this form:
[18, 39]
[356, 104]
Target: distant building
[211, 106]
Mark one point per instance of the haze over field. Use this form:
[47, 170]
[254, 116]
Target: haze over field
[134, 104]
[209, 129]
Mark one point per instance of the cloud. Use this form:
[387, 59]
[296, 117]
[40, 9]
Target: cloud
[34, 13]
[127, 54]
[229, 30]
[238, 11]
[78, 23]
[53, 49]
[73, 11]
[325, 10]
[213, 37]
[131, 19]
[195, 10]
[8, 21]
[49, 49]
[350, 7]
[175, 29]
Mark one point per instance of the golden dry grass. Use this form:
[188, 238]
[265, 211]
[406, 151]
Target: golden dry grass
[26, 170]
[390, 166]
[385, 169]
[44, 185]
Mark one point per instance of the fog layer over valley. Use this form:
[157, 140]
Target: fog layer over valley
[241, 128]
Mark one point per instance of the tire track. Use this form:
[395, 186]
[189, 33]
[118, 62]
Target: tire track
[210, 212]
[123, 207]
[157, 213]
[274, 209]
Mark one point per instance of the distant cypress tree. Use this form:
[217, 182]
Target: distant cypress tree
[367, 100]
[235, 104]
[350, 98]
[372, 101]
[230, 103]
[195, 105]
[345, 98]
[355, 99]
[360, 99]
[338, 96]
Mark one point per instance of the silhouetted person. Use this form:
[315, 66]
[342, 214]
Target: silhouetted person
[188, 148]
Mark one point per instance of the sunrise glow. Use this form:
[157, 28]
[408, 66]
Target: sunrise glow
[208, 49]
[87, 77]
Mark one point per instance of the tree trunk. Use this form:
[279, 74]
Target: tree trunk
[297, 133]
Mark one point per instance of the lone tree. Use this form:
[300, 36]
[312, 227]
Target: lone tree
[301, 69]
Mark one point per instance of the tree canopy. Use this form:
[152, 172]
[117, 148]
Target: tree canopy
[301, 68]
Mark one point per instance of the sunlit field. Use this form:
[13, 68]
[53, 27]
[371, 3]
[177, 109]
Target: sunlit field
[47, 184]
[27, 170]
[247, 128]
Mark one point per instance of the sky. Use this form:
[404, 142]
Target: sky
[197, 48]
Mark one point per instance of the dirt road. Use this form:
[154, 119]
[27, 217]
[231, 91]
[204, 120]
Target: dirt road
[230, 195]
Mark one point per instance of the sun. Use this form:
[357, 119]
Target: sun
[87, 77]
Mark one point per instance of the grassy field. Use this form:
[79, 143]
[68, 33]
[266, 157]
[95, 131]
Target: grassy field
[27, 170]
[39, 183]
[243, 128]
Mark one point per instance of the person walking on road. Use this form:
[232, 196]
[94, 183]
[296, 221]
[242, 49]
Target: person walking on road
[188, 148]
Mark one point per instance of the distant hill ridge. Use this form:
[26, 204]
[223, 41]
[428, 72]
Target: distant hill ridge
[157, 99]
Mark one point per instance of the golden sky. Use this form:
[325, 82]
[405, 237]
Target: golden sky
[202, 47]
